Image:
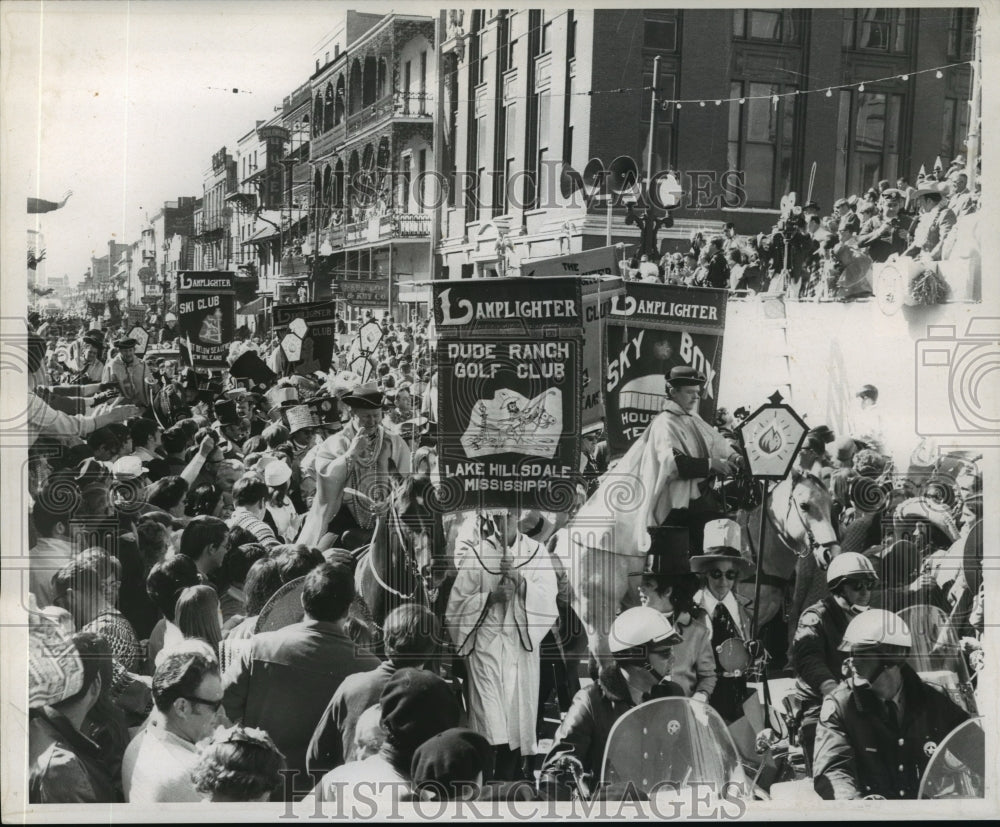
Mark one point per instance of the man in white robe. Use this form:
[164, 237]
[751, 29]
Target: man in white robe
[502, 604]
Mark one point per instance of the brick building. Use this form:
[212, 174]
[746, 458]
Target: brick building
[525, 91]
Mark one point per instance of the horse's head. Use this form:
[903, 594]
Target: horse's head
[423, 525]
[808, 516]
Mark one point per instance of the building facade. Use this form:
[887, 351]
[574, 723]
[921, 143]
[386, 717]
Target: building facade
[528, 93]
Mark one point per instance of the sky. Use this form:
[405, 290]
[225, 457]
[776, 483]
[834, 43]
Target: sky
[125, 102]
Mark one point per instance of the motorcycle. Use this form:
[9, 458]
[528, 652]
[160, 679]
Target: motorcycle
[957, 768]
[670, 751]
[937, 654]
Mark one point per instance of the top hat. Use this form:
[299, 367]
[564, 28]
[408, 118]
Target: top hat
[668, 552]
[722, 543]
[280, 396]
[326, 410]
[250, 366]
[684, 376]
[366, 396]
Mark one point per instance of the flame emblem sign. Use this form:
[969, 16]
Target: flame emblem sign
[770, 441]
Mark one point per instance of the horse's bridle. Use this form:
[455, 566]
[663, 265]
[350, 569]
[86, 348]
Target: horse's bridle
[410, 562]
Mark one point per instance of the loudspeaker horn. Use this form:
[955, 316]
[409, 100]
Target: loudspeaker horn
[593, 176]
[570, 181]
[623, 174]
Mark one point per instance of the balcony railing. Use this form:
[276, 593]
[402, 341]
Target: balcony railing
[393, 105]
[388, 226]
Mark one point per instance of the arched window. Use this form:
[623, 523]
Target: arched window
[370, 79]
[339, 101]
[383, 72]
[354, 88]
[317, 119]
[327, 185]
[338, 177]
[328, 108]
[353, 170]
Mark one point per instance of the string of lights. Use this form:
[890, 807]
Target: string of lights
[679, 102]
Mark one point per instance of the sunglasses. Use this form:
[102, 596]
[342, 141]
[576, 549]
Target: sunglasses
[860, 585]
[715, 574]
[213, 705]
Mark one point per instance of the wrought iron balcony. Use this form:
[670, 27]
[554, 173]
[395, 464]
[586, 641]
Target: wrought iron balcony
[393, 105]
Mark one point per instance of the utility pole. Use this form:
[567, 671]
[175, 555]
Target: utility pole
[972, 143]
[436, 127]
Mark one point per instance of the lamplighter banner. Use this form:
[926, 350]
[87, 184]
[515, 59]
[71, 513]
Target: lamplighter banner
[651, 329]
[206, 317]
[509, 358]
[317, 344]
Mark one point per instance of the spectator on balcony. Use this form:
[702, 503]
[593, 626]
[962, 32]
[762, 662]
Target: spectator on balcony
[717, 274]
[934, 223]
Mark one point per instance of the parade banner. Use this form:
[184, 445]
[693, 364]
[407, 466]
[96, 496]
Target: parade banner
[509, 356]
[601, 261]
[653, 328]
[206, 317]
[317, 343]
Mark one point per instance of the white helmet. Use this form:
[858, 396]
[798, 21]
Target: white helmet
[170, 317]
[849, 564]
[640, 626]
[873, 629]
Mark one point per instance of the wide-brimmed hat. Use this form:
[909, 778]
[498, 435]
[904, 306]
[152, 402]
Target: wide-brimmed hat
[366, 396]
[125, 342]
[668, 554]
[722, 543]
[684, 376]
[928, 187]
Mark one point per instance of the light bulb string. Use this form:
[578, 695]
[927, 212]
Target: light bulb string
[826, 90]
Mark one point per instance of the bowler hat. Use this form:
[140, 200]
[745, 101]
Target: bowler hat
[366, 396]
[668, 552]
[684, 376]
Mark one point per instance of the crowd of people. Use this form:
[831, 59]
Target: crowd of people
[172, 511]
[809, 254]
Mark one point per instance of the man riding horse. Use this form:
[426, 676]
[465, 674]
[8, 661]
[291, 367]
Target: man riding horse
[355, 470]
[662, 478]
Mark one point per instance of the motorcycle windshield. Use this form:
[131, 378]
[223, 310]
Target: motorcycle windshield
[958, 766]
[669, 744]
[937, 654]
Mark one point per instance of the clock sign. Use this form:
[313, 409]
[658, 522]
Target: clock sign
[771, 437]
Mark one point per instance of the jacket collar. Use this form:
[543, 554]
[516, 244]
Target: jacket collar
[613, 686]
[68, 733]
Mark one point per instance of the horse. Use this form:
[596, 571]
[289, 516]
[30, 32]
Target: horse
[800, 539]
[404, 562]
[600, 560]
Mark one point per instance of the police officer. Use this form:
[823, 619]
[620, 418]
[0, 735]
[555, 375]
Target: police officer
[641, 641]
[816, 658]
[879, 728]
